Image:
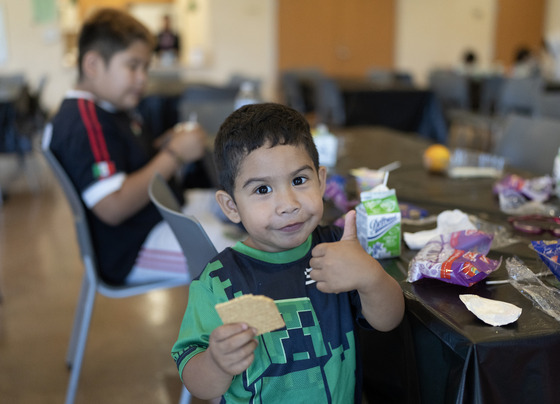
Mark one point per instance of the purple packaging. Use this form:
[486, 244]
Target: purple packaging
[458, 258]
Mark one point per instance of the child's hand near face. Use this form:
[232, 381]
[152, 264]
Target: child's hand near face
[232, 347]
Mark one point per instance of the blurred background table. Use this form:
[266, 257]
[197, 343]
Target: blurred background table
[396, 106]
[442, 353]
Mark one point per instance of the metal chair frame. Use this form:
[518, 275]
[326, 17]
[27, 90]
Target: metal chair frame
[92, 283]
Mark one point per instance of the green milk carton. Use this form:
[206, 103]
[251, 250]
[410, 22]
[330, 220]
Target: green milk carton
[378, 222]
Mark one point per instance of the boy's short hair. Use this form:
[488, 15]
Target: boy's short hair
[109, 31]
[252, 126]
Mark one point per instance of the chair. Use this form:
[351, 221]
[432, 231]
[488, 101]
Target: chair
[519, 95]
[91, 284]
[451, 88]
[211, 105]
[490, 88]
[21, 120]
[329, 103]
[298, 87]
[529, 143]
[380, 76]
[549, 105]
[194, 241]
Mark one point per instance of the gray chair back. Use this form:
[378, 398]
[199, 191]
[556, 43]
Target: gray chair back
[451, 88]
[519, 96]
[549, 105]
[195, 243]
[211, 104]
[529, 143]
[329, 103]
[78, 211]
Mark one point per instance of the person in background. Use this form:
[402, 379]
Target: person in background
[524, 64]
[322, 280]
[549, 60]
[100, 142]
[167, 43]
[469, 63]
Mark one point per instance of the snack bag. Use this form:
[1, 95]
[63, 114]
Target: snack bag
[458, 258]
[548, 251]
[378, 221]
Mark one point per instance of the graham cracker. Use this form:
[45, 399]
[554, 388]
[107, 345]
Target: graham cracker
[259, 312]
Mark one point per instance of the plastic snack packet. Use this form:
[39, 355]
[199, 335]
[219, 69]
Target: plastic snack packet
[458, 258]
[548, 251]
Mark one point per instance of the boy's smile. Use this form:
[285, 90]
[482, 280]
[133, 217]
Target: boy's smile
[278, 197]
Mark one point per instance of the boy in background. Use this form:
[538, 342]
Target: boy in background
[100, 143]
[321, 279]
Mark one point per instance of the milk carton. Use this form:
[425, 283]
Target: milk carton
[378, 223]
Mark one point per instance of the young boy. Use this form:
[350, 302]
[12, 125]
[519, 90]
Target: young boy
[99, 142]
[321, 279]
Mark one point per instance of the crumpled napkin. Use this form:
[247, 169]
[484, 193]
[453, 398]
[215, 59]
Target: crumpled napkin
[448, 221]
[493, 312]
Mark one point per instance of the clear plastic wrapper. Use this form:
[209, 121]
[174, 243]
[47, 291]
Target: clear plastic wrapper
[515, 203]
[545, 297]
[502, 235]
[458, 258]
[469, 163]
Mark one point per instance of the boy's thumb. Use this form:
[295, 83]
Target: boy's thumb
[350, 232]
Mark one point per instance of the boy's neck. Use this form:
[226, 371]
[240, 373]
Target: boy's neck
[80, 92]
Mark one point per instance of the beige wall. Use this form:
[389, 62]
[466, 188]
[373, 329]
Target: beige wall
[428, 32]
[434, 33]
[35, 49]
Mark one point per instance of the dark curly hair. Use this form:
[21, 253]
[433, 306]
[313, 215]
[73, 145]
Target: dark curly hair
[109, 31]
[251, 127]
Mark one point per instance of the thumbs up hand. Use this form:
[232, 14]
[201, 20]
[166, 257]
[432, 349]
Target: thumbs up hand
[343, 265]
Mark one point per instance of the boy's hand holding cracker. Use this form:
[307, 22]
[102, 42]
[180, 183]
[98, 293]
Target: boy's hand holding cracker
[232, 347]
[244, 318]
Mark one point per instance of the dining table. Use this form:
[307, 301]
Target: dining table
[441, 352]
[400, 106]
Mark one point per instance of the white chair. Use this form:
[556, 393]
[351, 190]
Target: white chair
[195, 243]
[529, 143]
[91, 284]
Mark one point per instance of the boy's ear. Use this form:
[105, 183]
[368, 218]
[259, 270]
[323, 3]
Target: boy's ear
[228, 206]
[322, 173]
[91, 63]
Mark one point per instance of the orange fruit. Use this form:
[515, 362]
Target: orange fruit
[436, 158]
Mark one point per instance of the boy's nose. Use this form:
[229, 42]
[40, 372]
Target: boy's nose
[287, 203]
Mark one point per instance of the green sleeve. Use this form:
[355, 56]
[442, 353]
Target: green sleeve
[200, 318]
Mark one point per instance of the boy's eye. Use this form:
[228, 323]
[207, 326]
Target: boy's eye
[299, 180]
[263, 189]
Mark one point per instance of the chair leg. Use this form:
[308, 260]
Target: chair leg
[78, 315]
[80, 346]
[185, 396]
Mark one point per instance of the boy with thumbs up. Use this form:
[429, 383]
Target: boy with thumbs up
[321, 279]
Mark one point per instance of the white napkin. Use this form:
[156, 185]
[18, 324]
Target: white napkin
[493, 312]
[448, 221]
